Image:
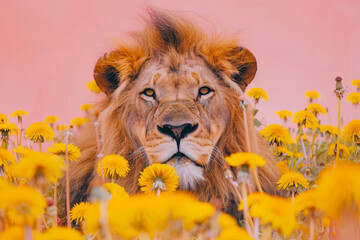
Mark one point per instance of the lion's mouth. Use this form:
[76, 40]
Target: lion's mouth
[179, 157]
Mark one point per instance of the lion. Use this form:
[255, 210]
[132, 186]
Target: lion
[173, 97]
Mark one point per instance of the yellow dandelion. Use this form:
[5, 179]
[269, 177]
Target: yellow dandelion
[292, 179]
[79, 121]
[62, 127]
[113, 166]
[226, 221]
[297, 155]
[284, 114]
[18, 113]
[352, 131]
[116, 190]
[257, 93]
[245, 158]
[11, 176]
[39, 132]
[356, 83]
[300, 165]
[306, 119]
[6, 157]
[23, 204]
[344, 151]
[307, 200]
[281, 150]
[23, 151]
[78, 211]
[316, 108]
[142, 213]
[185, 207]
[158, 177]
[234, 233]
[16, 233]
[339, 189]
[39, 165]
[276, 134]
[8, 129]
[61, 233]
[51, 119]
[92, 86]
[312, 95]
[3, 118]
[283, 167]
[304, 138]
[354, 98]
[59, 149]
[329, 129]
[274, 210]
[92, 216]
[86, 107]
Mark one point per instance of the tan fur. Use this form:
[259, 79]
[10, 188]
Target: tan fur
[175, 58]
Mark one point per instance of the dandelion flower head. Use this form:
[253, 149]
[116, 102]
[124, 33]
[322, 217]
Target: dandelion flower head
[59, 149]
[78, 211]
[356, 83]
[3, 118]
[6, 157]
[18, 113]
[306, 200]
[316, 108]
[305, 118]
[272, 209]
[351, 132]
[9, 128]
[330, 129]
[116, 190]
[62, 127]
[245, 158]
[23, 204]
[39, 132]
[354, 98]
[36, 165]
[234, 233]
[283, 167]
[51, 119]
[344, 152]
[158, 177]
[23, 151]
[92, 86]
[276, 134]
[344, 180]
[312, 95]
[86, 107]
[60, 233]
[284, 114]
[79, 121]
[113, 166]
[292, 179]
[257, 93]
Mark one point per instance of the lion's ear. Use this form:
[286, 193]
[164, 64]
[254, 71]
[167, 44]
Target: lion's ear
[106, 75]
[246, 65]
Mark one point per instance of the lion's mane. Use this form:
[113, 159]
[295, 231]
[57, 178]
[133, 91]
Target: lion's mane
[171, 36]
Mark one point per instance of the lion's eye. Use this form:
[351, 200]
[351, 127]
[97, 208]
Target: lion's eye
[204, 91]
[149, 92]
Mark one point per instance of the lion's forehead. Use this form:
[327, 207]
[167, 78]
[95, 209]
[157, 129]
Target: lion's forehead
[188, 76]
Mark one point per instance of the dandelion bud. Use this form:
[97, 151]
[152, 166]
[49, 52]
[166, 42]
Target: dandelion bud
[338, 83]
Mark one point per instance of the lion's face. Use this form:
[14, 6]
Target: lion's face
[181, 116]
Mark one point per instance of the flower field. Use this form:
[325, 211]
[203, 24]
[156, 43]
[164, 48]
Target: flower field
[319, 183]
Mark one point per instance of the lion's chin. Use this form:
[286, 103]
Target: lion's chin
[189, 174]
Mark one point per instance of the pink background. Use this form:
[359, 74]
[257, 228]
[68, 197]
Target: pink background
[48, 49]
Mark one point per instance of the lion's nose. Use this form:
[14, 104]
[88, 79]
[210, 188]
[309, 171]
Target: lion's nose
[178, 132]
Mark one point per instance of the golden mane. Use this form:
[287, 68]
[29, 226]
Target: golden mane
[175, 39]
